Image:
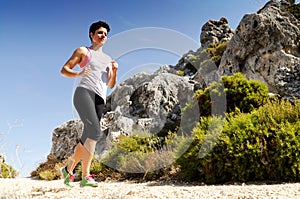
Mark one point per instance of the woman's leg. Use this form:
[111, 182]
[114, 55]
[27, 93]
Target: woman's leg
[90, 144]
[75, 158]
[87, 156]
[85, 104]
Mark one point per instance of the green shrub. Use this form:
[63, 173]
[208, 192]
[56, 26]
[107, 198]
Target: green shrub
[140, 156]
[49, 169]
[216, 51]
[6, 171]
[261, 145]
[180, 72]
[242, 94]
[97, 167]
[47, 175]
[189, 159]
[139, 141]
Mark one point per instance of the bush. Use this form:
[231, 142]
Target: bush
[242, 94]
[49, 170]
[140, 156]
[98, 168]
[261, 145]
[216, 51]
[189, 159]
[6, 171]
[47, 175]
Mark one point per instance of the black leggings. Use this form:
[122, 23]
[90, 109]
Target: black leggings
[90, 107]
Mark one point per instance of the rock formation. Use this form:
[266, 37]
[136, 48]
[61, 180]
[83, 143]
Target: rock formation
[264, 44]
[287, 81]
[215, 31]
[65, 138]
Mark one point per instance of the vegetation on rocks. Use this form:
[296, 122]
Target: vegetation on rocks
[216, 51]
[241, 94]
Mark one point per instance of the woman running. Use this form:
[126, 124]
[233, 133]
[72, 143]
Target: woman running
[98, 72]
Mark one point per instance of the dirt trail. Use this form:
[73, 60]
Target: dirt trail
[28, 188]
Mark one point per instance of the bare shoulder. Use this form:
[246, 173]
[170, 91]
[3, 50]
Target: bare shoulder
[81, 51]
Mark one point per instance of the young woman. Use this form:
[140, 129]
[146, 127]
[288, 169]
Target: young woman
[98, 72]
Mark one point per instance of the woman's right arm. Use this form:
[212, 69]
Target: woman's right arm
[76, 58]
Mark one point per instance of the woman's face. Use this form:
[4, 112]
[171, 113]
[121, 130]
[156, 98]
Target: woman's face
[99, 37]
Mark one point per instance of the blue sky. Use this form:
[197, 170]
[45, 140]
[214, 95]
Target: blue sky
[37, 37]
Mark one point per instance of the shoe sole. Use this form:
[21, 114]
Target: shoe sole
[81, 185]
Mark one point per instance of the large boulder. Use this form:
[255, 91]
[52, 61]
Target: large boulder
[64, 139]
[264, 43]
[148, 102]
[215, 31]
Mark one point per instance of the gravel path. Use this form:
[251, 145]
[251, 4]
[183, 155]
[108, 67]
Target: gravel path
[28, 188]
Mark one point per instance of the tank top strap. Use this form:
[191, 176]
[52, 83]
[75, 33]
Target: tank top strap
[87, 58]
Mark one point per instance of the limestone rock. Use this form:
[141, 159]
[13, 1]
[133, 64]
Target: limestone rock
[287, 81]
[263, 43]
[64, 139]
[215, 31]
[148, 102]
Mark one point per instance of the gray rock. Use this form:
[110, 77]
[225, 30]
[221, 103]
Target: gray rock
[215, 31]
[64, 139]
[263, 43]
[287, 81]
[148, 102]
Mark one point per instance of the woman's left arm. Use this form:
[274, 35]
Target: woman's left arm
[112, 74]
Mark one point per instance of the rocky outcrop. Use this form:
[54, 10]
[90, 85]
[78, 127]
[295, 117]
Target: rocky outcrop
[148, 102]
[215, 31]
[264, 43]
[64, 139]
[66, 136]
[198, 65]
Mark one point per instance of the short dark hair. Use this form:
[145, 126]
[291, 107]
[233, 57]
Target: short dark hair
[95, 26]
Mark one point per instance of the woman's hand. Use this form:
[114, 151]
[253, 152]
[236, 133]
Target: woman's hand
[112, 74]
[114, 66]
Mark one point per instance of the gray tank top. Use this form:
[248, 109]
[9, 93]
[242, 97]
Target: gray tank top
[97, 80]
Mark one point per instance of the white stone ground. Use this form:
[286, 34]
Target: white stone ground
[29, 188]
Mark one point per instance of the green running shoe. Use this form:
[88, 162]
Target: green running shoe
[68, 178]
[89, 181]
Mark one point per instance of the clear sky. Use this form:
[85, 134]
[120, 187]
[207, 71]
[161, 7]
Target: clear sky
[37, 37]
